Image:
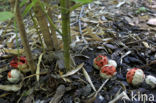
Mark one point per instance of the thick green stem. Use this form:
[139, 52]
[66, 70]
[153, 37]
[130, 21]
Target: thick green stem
[65, 5]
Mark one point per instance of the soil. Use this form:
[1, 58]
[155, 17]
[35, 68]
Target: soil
[136, 38]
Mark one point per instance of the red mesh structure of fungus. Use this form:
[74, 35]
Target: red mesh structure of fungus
[109, 70]
[18, 61]
[101, 60]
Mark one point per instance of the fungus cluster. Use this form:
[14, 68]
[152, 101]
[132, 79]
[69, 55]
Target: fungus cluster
[100, 61]
[19, 64]
[106, 66]
[134, 76]
[107, 71]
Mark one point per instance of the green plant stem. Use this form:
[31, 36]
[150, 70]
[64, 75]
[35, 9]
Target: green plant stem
[65, 5]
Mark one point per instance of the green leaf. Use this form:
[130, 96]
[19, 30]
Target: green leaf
[28, 8]
[23, 2]
[83, 1]
[6, 15]
[141, 10]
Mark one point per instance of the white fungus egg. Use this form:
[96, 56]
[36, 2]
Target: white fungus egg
[14, 76]
[151, 80]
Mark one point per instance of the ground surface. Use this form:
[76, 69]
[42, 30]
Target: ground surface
[109, 27]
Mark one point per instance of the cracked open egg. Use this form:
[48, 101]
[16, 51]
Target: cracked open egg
[108, 71]
[135, 76]
[100, 61]
[14, 76]
[20, 63]
[151, 80]
[112, 62]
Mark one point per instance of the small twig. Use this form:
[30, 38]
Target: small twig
[102, 86]
[80, 27]
[122, 96]
[92, 98]
[149, 64]
[127, 53]
[121, 3]
[38, 66]
[30, 76]
[80, 16]
[137, 41]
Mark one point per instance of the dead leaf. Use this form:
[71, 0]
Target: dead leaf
[88, 79]
[89, 32]
[13, 88]
[14, 51]
[146, 44]
[73, 71]
[152, 22]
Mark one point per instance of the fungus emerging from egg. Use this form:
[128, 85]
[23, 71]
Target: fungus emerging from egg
[20, 63]
[100, 61]
[108, 71]
[135, 76]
